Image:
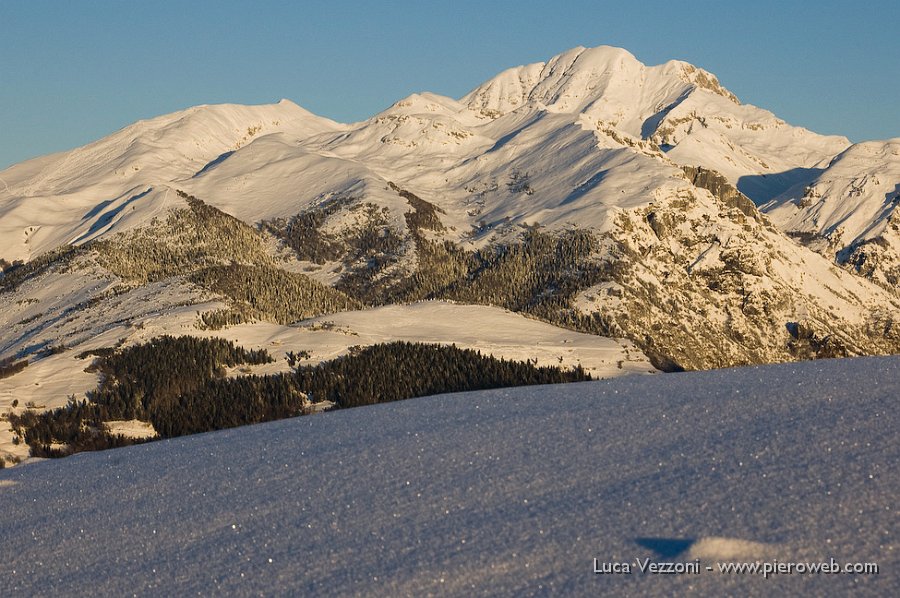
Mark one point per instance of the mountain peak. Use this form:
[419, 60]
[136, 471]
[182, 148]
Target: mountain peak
[699, 77]
[582, 78]
[599, 56]
[424, 103]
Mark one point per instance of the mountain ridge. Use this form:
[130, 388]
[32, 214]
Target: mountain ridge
[610, 198]
[435, 124]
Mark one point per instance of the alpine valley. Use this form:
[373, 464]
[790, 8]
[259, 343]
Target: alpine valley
[589, 213]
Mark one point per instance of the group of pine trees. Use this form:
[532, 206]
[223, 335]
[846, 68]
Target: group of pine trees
[189, 239]
[368, 241]
[179, 385]
[141, 382]
[402, 370]
[303, 232]
[220, 254]
[540, 274]
[18, 272]
[268, 293]
[8, 367]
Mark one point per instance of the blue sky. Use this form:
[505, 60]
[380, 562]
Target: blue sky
[71, 72]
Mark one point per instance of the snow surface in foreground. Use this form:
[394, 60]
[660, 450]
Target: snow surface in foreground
[506, 492]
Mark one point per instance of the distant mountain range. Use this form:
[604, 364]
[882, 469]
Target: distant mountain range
[591, 192]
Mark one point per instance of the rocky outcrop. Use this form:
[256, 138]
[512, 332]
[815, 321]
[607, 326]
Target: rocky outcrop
[721, 189]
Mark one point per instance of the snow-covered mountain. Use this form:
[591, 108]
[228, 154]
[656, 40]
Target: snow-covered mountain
[124, 180]
[591, 192]
[583, 114]
[848, 210]
[676, 106]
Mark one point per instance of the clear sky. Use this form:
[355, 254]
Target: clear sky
[72, 72]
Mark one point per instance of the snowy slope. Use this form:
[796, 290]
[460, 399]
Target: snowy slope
[848, 204]
[123, 180]
[507, 492]
[676, 105]
[155, 310]
[852, 199]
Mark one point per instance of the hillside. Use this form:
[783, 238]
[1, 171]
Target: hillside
[507, 492]
[847, 211]
[48, 381]
[590, 194]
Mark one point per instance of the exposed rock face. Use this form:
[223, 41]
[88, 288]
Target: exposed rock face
[721, 189]
[877, 258]
[697, 282]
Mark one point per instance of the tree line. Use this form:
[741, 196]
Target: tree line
[178, 384]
